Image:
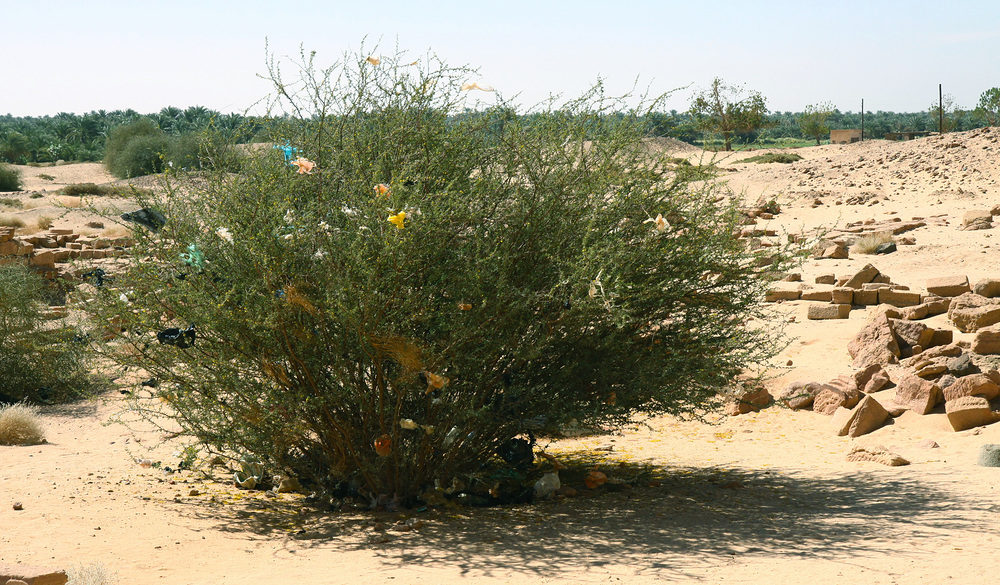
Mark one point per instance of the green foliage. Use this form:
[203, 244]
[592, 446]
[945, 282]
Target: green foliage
[727, 110]
[79, 189]
[773, 157]
[514, 276]
[813, 121]
[36, 361]
[11, 202]
[10, 178]
[141, 155]
[988, 108]
[947, 114]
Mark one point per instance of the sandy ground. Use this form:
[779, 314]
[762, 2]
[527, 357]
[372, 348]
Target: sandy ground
[760, 498]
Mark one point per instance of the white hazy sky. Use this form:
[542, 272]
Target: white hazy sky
[77, 56]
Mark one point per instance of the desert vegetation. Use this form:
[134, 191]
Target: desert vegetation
[422, 293]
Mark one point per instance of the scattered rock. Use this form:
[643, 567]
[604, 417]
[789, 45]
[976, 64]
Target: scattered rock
[748, 400]
[885, 248]
[826, 279]
[989, 455]
[876, 453]
[987, 287]
[971, 312]
[18, 506]
[927, 444]
[974, 385]
[864, 418]
[835, 252]
[977, 220]
[916, 394]
[875, 343]
[987, 341]
[898, 298]
[799, 394]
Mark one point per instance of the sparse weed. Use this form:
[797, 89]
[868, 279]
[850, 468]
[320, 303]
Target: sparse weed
[11, 202]
[44, 222]
[46, 177]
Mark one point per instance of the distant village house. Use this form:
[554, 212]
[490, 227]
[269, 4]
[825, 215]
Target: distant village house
[845, 136]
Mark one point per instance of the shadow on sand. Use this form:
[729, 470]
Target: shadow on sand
[694, 517]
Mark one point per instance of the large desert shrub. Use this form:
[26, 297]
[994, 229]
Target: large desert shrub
[142, 155]
[10, 178]
[445, 280]
[38, 361]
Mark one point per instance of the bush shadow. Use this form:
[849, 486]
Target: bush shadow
[693, 517]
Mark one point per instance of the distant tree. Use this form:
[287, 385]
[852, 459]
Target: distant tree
[988, 109]
[813, 121]
[728, 110]
[951, 114]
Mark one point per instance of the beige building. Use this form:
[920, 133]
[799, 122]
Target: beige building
[845, 136]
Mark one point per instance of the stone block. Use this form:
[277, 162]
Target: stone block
[842, 295]
[875, 343]
[816, 295]
[941, 337]
[898, 298]
[782, 294]
[6, 233]
[987, 341]
[867, 274]
[43, 259]
[865, 297]
[969, 412]
[977, 219]
[748, 400]
[8, 248]
[820, 312]
[826, 279]
[948, 286]
[987, 287]
[971, 312]
[917, 394]
[32, 575]
[972, 385]
[835, 252]
[910, 333]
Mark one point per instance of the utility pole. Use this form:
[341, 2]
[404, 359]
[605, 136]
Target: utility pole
[940, 111]
[862, 119]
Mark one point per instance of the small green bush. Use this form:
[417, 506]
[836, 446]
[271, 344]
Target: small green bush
[11, 202]
[507, 281]
[10, 178]
[772, 157]
[79, 189]
[36, 361]
[46, 177]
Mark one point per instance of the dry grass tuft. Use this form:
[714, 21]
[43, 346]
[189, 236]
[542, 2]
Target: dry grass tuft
[94, 574]
[11, 221]
[66, 201]
[867, 243]
[20, 425]
[116, 231]
[44, 222]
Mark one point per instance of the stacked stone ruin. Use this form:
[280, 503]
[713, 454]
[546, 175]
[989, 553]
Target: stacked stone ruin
[894, 348]
[50, 252]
